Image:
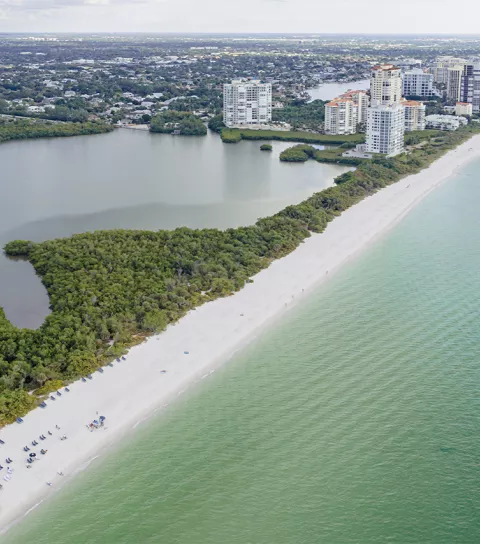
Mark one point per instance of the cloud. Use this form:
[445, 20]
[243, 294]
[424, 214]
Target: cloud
[41, 5]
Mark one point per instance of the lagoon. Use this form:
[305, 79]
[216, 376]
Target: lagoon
[329, 91]
[133, 179]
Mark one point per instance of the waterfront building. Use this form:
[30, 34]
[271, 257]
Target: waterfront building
[385, 85]
[247, 102]
[343, 114]
[414, 115]
[361, 100]
[386, 129]
[340, 116]
[463, 108]
[445, 122]
[440, 68]
[416, 82]
[386, 114]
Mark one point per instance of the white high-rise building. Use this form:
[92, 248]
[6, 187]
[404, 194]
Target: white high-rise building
[386, 115]
[385, 85]
[418, 83]
[247, 102]
[386, 129]
[414, 115]
[343, 114]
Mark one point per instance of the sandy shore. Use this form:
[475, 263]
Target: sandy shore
[133, 389]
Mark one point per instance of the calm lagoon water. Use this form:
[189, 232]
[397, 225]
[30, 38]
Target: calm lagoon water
[329, 91]
[355, 419]
[134, 179]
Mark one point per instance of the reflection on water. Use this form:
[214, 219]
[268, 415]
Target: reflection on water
[133, 179]
[329, 91]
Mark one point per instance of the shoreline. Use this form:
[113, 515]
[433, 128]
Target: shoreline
[134, 389]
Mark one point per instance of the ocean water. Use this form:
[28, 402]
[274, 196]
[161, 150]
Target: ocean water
[355, 419]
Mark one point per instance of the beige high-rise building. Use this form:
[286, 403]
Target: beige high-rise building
[454, 82]
[385, 85]
[441, 66]
[360, 99]
[414, 115]
[343, 114]
[340, 116]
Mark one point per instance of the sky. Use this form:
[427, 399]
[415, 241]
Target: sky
[230, 16]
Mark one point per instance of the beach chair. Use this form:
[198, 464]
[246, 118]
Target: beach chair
[67, 389]
[59, 394]
[19, 420]
[52, 397]
[84, 380]
[90, 377]
[100, 370]
[43, 405]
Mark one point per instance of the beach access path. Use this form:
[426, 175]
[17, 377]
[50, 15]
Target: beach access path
[133, 389]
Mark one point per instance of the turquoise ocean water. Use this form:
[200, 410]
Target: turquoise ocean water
[354, 420]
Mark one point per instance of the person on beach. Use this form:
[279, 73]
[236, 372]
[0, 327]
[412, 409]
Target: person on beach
[60, 473]
[49, 483]
[57, 427]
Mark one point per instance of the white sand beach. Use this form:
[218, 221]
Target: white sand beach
[133, 389]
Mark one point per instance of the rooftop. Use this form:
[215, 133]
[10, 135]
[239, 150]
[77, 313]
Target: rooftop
[411, 103]
[338, 101]
[385, 67]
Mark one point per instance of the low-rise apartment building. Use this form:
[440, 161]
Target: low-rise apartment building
[463, 108]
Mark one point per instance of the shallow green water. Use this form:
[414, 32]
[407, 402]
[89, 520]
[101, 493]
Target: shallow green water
[356, 419]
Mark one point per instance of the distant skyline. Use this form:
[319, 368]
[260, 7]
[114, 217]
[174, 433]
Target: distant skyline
[227, 16]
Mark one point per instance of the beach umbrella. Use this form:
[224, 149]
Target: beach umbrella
[102, 418]
[95, 421]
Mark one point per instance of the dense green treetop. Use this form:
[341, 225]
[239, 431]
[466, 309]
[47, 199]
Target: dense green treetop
[230, 135]
[302, 115]
[185, 123]
[24, 129]
[216, 123]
